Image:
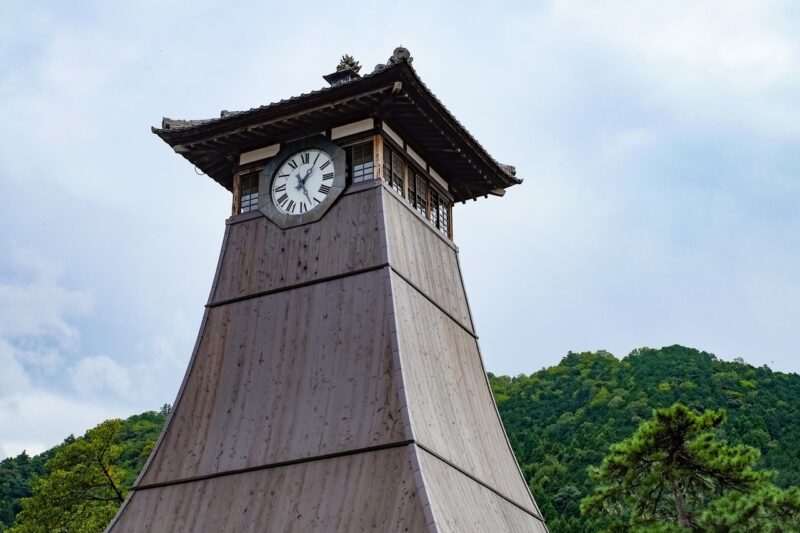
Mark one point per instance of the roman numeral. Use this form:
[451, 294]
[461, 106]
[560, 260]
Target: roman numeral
[324, 189]
[316, 158]
[293, 164]
[328, 176]
[317, 200]
[280, 188]
[303, 207]
[304, 158]
[282, 199]
[283, 175]
[325, 164]
[290, 207]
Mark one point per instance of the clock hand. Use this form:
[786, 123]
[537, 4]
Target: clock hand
[301, 182]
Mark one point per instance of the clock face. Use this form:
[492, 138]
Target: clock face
[303, 181]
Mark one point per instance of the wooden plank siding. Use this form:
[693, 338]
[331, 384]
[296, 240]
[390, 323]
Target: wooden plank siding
[460, 504]
[425, 258]
[262, 257]
[366, 492]
[451, 406]
[294, 374]
[336, 385]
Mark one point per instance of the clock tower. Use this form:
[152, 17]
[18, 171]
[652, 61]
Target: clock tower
[336, 384]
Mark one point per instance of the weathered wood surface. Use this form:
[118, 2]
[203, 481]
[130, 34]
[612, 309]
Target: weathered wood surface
[293, 374]
[351, 362]
[459, 504]
[262, 257]
[424, 258]
[371, 491]
[451, 407]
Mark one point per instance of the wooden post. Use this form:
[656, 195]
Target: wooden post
[377, 148]
[237, 194]
[450, 220]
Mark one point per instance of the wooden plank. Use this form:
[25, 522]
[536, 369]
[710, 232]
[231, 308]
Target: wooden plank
[372, 491]
[460, 504]
[450, 405]
[293, 374]
[377, 157]
[236, 198]
[262, 257]
[424, 258]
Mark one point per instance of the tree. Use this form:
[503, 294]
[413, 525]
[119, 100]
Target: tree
[674, 474]
[84, 489]
[768, 510]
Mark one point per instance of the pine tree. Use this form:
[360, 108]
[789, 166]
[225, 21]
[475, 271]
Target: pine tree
[674, 474]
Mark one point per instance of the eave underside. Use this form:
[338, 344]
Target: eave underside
[396, 96]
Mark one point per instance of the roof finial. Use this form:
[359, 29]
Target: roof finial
[348, 62]
[346, 70]
[399, 55]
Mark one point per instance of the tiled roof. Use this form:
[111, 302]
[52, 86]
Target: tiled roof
[209, 143]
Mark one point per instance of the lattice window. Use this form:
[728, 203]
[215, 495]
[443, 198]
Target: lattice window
[248, 201]
[440, 212]
[444, 216]
[398, 166]
[421, 192]
[412, 187]
[435, 199]
[393, 165]
[363, 166]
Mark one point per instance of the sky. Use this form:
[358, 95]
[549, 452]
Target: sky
[659, 144]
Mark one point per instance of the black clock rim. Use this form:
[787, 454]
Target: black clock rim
[267, 176]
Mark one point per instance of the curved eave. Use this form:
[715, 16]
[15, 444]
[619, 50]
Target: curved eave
[395, 94]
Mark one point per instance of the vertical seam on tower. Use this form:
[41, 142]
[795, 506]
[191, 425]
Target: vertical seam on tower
[399, 381]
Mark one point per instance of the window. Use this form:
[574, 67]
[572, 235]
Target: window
[440, 212]
[412, 187]
[249, 192]
[362, 162]
[398, 167]
[444, 216]
[421, 190]
[393, 168]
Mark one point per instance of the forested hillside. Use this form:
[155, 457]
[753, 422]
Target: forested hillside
[560, 420]
[135, 439]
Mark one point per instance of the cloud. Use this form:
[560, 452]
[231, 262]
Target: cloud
[39, 346]
[34, 305]
[100, 377]
[37, 419]
[658, 142]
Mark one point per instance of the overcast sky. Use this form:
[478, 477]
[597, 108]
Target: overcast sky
[658, 142]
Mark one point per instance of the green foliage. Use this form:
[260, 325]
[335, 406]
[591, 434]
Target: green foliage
[15, 483]
[563, 419]
[768, 510]
[673, 468]
[84, 487]
[78, 485]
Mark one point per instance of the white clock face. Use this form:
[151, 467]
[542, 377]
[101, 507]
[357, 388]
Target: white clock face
[302, 182]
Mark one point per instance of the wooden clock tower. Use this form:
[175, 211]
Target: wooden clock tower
[336, 384]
